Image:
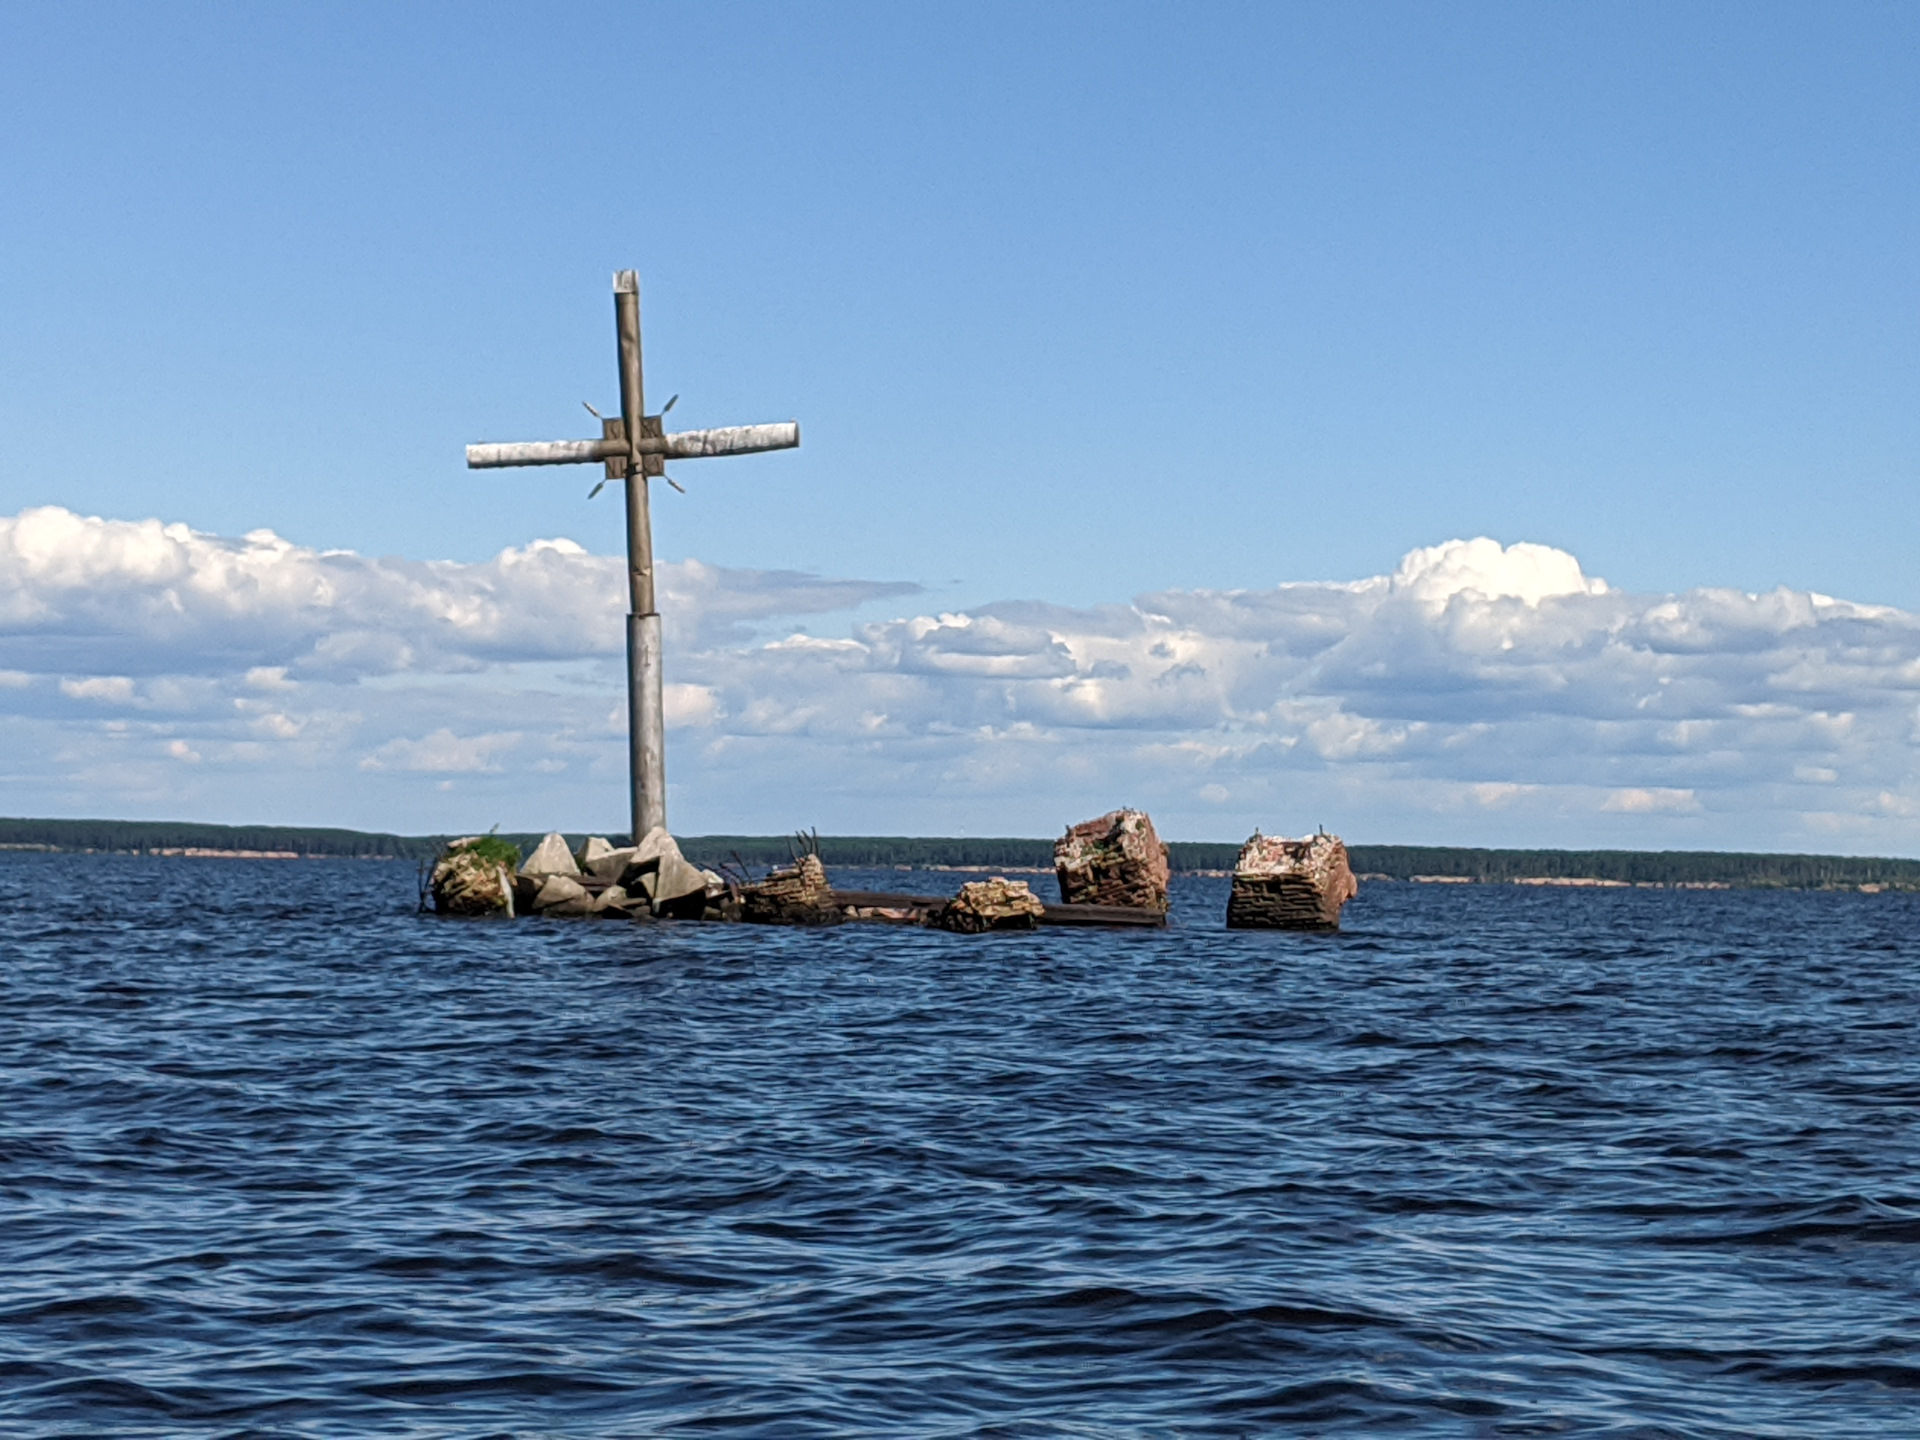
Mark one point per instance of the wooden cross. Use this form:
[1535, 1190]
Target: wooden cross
[634, 448]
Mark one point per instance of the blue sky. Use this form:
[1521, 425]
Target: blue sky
[1075, 305]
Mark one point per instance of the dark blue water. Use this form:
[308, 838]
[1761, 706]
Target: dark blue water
[279, 1157]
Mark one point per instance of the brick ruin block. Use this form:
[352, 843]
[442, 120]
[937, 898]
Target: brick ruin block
[799, 895]
[1115, 860]
[1290, 884]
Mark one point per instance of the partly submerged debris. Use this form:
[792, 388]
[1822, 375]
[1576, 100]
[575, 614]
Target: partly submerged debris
[484, 875]
[796, 895]
[996, 904]
[628, 882]
[1290, 884]
[473, 876]
[1115, 860]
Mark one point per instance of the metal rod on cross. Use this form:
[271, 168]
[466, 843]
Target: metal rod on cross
[634, 448]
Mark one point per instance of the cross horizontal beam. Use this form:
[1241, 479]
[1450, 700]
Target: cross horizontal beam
[684, 445]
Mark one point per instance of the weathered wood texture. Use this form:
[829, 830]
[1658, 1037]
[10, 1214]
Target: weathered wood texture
[1123, 915]
[542, 452]
[633, 448]
[680, 445]
[646, 725]
[1127, 915]
[728, 440]
[1290, 884]
[885, 900]
[626, 325]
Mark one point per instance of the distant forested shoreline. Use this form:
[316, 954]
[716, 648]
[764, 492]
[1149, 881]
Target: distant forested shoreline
[1383, 862]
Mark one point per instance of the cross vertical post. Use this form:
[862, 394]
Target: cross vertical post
[634, 449]
[646, 720]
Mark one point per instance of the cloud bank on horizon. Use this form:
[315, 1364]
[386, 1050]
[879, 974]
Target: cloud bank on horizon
[1479, 694]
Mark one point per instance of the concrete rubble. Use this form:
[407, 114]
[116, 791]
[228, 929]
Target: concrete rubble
[1117, 859]
[660, 872]
[481, 875]
[559, 895]
[550, 857]
[614, 898]
[602, 861]
[1283, 884]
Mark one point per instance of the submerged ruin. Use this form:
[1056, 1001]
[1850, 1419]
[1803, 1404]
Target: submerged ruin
[1117, 859]
[1290, 884]
[1111, 871]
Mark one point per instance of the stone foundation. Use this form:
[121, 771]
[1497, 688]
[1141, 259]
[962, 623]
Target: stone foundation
[1290, 884]
[1115, 860]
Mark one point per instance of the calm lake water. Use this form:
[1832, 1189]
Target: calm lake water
[280, 1157]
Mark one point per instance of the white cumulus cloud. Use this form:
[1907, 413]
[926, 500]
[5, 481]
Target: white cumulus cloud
[134, 597]
[1487, 569]
[1479, 692]
[442, 752]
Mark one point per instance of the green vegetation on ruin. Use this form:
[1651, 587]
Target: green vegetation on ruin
[495, 849]
[1395, 862]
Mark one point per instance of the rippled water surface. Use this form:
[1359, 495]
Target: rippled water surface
[280, 1157]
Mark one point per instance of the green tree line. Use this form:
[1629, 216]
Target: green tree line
[1395, 862]
[145, 836]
